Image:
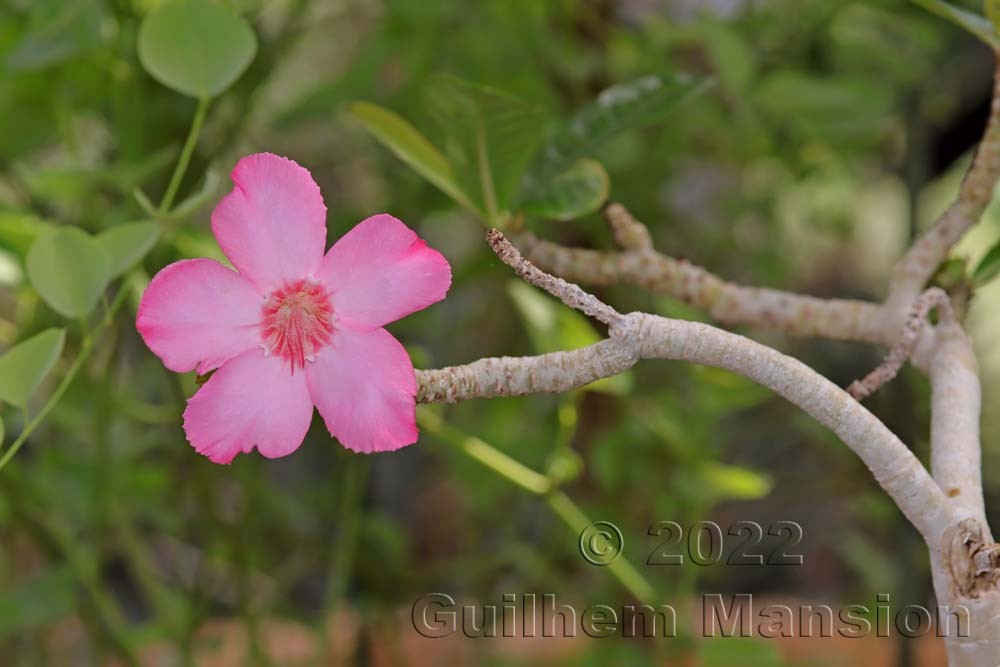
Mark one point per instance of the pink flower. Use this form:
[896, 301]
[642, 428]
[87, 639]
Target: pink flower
[291, 327]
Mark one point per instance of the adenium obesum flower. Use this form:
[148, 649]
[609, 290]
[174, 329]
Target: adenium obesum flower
[293, 327]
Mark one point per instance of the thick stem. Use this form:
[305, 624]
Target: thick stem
[552, 373]
[640, 335]
[894, 466]
[955, 408]
[968, 606]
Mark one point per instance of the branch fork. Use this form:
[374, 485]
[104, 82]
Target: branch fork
[944, 503]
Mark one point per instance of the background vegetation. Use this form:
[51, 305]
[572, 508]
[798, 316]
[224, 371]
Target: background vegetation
[809, 141]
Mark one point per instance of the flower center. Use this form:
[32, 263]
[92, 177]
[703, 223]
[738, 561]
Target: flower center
[297, 322]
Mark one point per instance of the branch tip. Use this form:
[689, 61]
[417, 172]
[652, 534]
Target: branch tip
[629, 233]
[570, 294]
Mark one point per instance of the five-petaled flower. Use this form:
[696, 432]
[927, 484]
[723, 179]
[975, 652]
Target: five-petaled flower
[291, 328]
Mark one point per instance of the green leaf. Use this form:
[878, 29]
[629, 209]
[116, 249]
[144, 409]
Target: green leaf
[490, 137]
[412, 147]
[68, 185]
[126, 244]
[18, 231]
[127, 174]
[576, 191]
[24, 366]
[552, 327]
[196, 47]
[70, 269]
[622, 107]
[725, 482]
[988, 267]
[974, 23]
[733, 57]
[37, 600]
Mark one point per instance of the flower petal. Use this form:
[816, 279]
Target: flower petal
[364, 386]
[253, 400]
[272, 226]
[381, 271]
[196, 313]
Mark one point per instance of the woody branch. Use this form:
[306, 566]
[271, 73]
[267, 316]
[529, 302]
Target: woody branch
[635, 336]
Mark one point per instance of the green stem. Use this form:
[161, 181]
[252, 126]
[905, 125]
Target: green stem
[85, 351]
[483, 452]
[623, 570]
[569, 417]
[344, 550]
[528, 479]
[486, 178]
[185, 157]
[352, 493]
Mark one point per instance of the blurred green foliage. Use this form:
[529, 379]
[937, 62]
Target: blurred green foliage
[792, 143]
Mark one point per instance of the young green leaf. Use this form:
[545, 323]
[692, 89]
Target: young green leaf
[622, 107]
[490, 137]
[974, 23]
[24, 366]
[412, 147]
[70, 269]
[988, 267]
[576, 191]
[127, 244]
[195, 47]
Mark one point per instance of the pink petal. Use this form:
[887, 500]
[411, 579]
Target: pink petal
[196, 313]
[381, 271]
[364, 386]
[272, 226]
[252, 401]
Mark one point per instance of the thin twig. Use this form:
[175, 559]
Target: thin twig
[570, 294]
[934, 297]
[629, 233]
